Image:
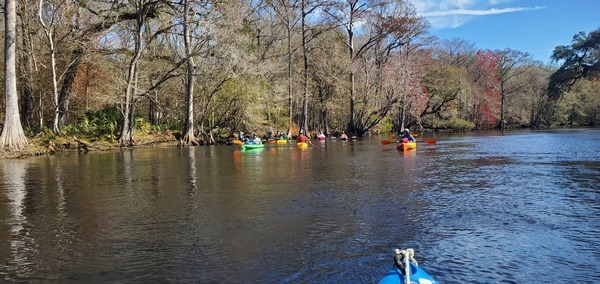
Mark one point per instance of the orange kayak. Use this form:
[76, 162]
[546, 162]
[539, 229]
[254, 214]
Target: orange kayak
[406, 146]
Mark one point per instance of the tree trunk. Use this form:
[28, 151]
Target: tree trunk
[188, 130]
[289, 47]
[12, 138]
[126, 139]
[502, 95]
[69, 79]
[304, 118]
[49, 32]
[351, 122]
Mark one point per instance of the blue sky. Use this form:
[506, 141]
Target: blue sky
[533, 26]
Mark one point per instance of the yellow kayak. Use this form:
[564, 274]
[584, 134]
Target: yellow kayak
[281, 141]
[302, 145]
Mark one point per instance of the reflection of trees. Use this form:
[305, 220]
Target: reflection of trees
[60, 189]
[128, 167]
[192, 171]
[16, 193]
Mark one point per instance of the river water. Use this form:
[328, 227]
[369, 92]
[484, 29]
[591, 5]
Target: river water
[513, 207]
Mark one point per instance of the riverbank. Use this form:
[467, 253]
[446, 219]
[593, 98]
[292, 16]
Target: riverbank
[42, 145]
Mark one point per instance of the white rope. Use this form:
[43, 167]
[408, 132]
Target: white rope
[408, 256]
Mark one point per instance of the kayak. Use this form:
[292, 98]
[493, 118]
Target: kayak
[237, 142]
[397, 275]
[252, 146]
[271, 141]
[406, 146]
[281, 141]
[321, 138]
[302, 145]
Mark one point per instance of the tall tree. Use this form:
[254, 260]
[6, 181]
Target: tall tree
[513, 63]
[187, 136]
[285, 11]
[310, 31]
[387, 25]
[349, 14]
[12, 138]
[144, 10]
[581, 59]
[49, 30]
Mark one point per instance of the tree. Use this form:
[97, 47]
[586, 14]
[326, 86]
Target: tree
[310, 31]
[285, 11]
[349, 14]
[385, 26]
[513, 63]
[12, 138]
[581, 59]
[85, 27]
[486, 85]
[49, 29]
[443, 86]
[187, 136]
[144, 10]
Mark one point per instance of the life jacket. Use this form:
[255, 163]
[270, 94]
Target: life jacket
[404, 140]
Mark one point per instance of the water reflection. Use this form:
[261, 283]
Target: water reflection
[192, 172]
[21, 243]
[475, 208]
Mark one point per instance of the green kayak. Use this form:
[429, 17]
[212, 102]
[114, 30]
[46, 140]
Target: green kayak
[252, 146]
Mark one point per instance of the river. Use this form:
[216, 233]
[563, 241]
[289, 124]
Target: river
[512, 207]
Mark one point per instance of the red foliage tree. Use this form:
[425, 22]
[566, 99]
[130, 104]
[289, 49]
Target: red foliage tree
[486, 103]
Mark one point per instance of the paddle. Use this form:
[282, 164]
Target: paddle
[428, 141]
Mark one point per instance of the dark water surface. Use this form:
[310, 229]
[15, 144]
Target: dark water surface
[518, 207]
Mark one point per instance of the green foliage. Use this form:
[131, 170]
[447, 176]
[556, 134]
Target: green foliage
[47, 135]
[386, 125]
[581, 105]
[174, 125]
[444, 85]
[580, 60]
[102, 124]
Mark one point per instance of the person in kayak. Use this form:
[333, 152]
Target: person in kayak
[241, 137]
[344, 136]
[254, 140]
[406, 135]
[321, 136]
[302, 138]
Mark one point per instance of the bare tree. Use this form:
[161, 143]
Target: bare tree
[513, 63]
[49, 29]
[144, 10]
[187, 136]
[286, 13]
[388, 25]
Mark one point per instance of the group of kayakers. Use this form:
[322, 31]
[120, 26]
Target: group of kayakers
[250, 139]
[255, 139]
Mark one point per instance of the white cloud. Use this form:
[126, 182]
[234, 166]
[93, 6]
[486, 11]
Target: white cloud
[455, 13]
[493, 11]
